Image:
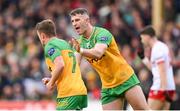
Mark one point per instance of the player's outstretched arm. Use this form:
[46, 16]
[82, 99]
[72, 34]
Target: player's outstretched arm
[59, 65]
[96, 52]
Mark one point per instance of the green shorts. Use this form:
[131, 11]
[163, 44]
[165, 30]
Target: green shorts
[110, 94]
[71, 103]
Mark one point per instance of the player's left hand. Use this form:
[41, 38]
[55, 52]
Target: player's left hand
[75, 44]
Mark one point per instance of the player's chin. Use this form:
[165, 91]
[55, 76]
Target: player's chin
[79, 32]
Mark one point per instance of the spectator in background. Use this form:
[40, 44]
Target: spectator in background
[175, 104]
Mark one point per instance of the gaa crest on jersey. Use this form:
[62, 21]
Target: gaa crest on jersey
[104, 38]
[51, 51]
[88, 45]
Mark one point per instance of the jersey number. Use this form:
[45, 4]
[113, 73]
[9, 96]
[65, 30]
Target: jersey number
[71, 54]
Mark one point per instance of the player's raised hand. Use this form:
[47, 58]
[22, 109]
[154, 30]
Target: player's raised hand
[75, 44]
[45, 80]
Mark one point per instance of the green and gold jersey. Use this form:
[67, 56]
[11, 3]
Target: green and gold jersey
[111, 67]
[69, 82]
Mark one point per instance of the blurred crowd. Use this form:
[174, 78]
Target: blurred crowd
[21, 54]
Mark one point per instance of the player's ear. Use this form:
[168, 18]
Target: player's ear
[43, 35]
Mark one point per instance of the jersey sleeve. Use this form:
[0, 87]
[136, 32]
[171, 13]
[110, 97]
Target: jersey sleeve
[52, 52]
[104, 37]
[159, 56]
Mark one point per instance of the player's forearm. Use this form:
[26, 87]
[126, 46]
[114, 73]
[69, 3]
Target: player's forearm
[55, 74]
[163, 81]
[147, 63]
[92, 53]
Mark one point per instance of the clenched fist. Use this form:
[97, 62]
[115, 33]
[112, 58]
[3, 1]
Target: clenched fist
[45, 80]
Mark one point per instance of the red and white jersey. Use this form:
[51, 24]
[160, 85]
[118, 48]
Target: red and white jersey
[160, 53]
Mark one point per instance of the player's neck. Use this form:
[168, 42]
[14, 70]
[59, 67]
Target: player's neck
[89, 32]
[48, 39]
[152, 42]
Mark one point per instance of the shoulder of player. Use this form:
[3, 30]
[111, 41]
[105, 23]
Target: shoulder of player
[159, 49]
[53, 43]
[161, 46]
[48, 47]
[59, 42]
[100, 31]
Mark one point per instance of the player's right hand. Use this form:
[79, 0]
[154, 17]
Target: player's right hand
[75, 44]
[45, 80]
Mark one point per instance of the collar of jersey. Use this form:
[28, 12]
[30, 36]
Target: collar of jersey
[94, 28]
[50, 40]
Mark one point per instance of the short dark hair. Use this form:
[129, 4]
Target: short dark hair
[81, 11]
[46, 26]
[148, 30]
